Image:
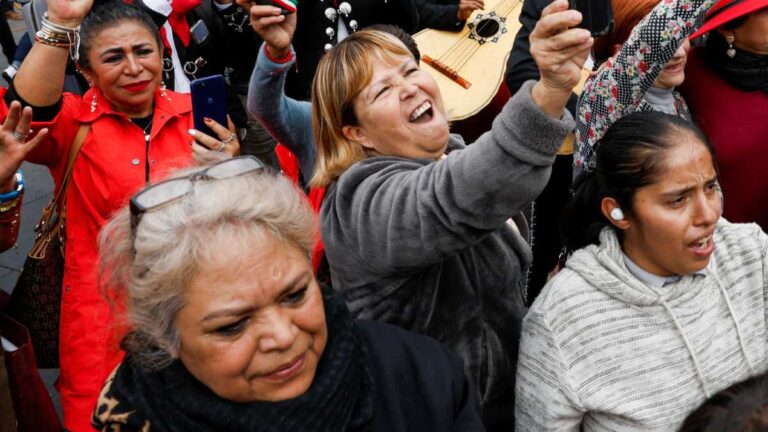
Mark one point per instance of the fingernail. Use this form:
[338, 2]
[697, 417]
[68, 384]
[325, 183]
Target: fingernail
[192, 132]
[207, 119]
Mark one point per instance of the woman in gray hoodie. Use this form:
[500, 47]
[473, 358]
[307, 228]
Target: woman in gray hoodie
[664, 302]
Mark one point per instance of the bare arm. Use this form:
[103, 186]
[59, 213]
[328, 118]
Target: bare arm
[40, 80]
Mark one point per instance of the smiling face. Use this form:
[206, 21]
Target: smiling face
[252, 327]
[673, 73]
[670, 229]
[400, 112]
[126, 65]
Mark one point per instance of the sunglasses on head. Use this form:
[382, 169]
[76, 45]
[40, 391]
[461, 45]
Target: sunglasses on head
[170, 191]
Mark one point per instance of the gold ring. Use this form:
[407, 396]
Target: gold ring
[230, 139]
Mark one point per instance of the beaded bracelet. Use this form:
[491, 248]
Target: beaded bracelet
[6, 198]
[58, 36]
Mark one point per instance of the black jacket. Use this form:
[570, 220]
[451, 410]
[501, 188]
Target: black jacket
[420, 385]
[230, 44]
[310, 38]
[439, 15]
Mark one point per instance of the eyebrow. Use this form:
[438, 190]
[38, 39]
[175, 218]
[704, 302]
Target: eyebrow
[236, 311]
[686, 190]
[118, 50]
[400, 69]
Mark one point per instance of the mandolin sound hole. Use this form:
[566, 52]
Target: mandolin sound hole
[487, 28]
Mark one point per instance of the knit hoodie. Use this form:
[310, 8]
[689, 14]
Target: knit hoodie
[603, 351]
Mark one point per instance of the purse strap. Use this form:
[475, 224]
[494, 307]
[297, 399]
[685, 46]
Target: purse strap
[45, 230]
[74, 150]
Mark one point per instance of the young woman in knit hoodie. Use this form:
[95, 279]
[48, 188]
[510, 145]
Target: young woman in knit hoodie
[664, 302]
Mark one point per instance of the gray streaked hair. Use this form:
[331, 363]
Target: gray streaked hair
[149, 274]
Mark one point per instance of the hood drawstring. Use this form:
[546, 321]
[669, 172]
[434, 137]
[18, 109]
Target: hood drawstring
[739, 334]
[695, 359]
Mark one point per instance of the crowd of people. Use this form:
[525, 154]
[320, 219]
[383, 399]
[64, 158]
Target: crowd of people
[391, 284]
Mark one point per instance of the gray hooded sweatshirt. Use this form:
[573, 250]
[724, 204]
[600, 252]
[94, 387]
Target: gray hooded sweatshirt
[603, 351]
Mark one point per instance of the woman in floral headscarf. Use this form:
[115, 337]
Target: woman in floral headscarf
[649, 55]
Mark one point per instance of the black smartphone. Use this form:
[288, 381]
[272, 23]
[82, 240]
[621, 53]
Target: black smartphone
[209, 100]
[597, 15]
[287, 6]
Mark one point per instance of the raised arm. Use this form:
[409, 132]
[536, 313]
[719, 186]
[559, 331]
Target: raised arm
[40, 80]
[409, 214]
[622, 81]
[521, 67]
[13, 149]
[288, 120]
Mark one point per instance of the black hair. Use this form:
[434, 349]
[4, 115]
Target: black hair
[401, 34]
[629, 156]
[742, 407]
[105, 15]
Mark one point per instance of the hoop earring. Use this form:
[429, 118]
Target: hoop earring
[731, 51]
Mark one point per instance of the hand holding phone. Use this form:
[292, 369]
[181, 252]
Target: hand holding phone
[597, 15]
[208, 100]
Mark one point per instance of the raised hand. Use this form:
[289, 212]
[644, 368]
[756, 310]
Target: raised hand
[68, 13]
[274, 28]
[558, 48]
[13, 143]
[560, 51]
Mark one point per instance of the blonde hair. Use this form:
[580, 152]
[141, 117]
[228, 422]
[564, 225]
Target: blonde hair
[150, 272]
[341, 75]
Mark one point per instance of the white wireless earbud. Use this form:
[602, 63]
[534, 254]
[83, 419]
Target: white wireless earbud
[617, 214]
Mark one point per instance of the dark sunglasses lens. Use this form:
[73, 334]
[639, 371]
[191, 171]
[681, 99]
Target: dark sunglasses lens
[234, 167]
[162, 193]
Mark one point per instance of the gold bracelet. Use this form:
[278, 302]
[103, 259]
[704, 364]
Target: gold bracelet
[10, 205]
[51, 42]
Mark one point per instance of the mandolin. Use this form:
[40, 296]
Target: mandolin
[469, 65]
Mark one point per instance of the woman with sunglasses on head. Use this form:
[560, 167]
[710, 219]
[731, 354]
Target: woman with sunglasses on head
[231, 331]
[135, 130]
[663, 302]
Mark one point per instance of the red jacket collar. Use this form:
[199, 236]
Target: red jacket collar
[166, 101]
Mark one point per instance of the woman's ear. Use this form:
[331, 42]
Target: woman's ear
[356, 134]
[87, 75]
[614, 213]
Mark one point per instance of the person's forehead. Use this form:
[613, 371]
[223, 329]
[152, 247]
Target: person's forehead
[687, 163]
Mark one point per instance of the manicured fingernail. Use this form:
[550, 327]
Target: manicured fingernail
[207, 119]
[192, 132]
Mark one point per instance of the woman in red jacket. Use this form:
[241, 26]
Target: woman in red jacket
[137, 131]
